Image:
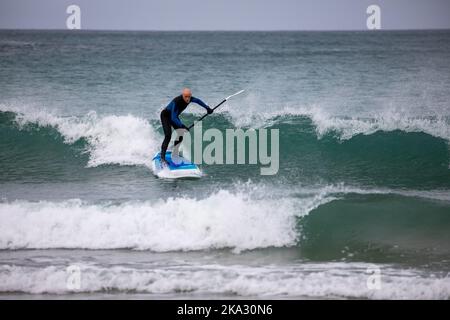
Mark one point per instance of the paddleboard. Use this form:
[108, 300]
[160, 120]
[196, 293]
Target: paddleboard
[178, 167]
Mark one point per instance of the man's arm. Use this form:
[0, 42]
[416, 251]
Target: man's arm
[174, 115]
[200, 102]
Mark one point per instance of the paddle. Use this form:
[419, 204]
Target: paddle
[222, 102]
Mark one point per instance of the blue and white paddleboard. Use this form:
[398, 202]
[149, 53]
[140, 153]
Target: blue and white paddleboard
[178, 167]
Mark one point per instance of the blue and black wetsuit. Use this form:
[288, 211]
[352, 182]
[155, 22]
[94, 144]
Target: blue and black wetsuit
[170, 118]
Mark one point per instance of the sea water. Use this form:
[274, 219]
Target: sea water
[359, 207]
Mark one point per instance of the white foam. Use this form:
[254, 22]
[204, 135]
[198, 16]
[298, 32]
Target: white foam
[250, 111]
[305, 280]
[252, 114]
[388, 120]
[222, 220]
[341, 188]
[124, 140]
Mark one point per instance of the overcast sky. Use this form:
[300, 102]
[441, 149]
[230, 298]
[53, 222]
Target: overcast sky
[225, 14]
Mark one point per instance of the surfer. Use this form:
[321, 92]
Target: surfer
[170, 118]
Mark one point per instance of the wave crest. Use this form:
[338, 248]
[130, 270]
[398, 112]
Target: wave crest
[222, 220]
[124, 140]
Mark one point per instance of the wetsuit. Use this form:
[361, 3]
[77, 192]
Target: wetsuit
[170, 118]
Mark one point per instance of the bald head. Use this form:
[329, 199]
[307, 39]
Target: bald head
[187, 94]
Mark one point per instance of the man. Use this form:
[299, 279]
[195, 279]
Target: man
[170, 118]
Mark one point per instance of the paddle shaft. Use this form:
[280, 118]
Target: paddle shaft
[222, 102]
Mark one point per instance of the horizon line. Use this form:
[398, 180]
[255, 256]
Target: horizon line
[223, 30]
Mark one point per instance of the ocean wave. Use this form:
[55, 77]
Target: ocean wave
[131, 140]
[391, 226]
[348, 127]
[250, 217]
[313, 280]
[124, 140]
[343, 127]
[222, 220]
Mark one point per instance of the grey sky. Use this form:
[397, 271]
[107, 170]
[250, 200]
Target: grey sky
[225, 14]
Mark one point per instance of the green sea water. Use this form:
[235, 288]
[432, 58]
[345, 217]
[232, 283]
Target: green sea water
[363, 179]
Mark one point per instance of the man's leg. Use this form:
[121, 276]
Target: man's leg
[177, 143]
[165, 121]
